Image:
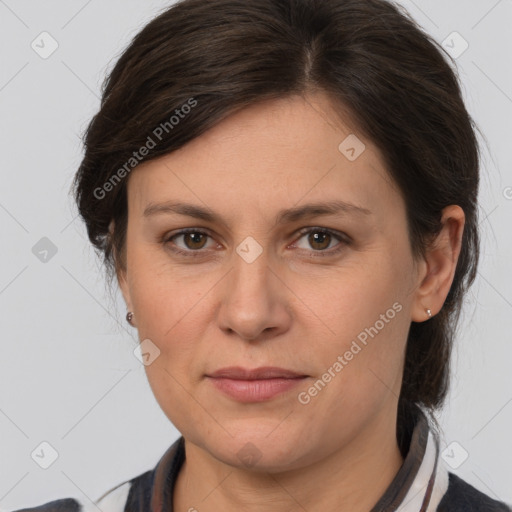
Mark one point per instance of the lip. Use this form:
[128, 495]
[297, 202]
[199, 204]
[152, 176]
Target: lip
[264, 372]
[256, 385]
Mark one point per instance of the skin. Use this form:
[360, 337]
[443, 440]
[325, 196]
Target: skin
[290, 307]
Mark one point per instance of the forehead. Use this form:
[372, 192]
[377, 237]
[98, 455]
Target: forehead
[267, 156]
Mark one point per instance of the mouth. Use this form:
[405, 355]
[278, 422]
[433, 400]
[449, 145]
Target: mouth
[256, 385]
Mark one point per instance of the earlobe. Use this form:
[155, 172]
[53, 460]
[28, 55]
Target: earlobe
[123, 285]
[441, 262]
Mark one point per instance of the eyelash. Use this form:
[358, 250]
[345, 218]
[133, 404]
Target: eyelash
[344, 239]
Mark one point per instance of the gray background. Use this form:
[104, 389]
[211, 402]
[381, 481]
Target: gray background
[68, 373]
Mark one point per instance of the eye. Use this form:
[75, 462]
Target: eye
[194, 240]
[320, 239]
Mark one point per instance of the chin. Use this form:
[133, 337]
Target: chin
[259, 449]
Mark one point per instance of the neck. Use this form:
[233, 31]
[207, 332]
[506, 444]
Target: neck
[350, 479]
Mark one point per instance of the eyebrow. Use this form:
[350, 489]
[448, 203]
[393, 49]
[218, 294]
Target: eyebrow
[282, 217]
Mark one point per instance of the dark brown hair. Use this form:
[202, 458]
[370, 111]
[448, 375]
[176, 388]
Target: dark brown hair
[369, 56]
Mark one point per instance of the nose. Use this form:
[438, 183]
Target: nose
[254, 300]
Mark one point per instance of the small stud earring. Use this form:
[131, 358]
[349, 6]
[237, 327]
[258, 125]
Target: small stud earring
[429, 313]
[129, 317]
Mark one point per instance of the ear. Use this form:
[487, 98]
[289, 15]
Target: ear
[121, 274]
[125, 290]
[438, 267]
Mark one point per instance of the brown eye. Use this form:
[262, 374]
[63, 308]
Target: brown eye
[194, 240]
[319, 240]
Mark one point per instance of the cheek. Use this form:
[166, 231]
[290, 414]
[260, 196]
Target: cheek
[168, 309]
[358, 295]
[162, 294]
[366, 313]
[173, 375]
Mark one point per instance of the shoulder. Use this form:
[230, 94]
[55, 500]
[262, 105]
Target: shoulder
[463, 497]
[63, 505]
[133, 494]
[136, 491]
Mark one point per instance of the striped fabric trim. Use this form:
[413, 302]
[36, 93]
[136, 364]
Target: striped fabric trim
[166, 474]
[113, 500]
[440, 482]
[430, 484]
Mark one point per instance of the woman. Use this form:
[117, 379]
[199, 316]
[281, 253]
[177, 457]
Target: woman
[286, 193]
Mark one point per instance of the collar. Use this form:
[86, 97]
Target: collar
[422, 481]
[419, 485]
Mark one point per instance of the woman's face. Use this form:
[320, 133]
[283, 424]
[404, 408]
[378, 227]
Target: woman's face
[269, 282]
